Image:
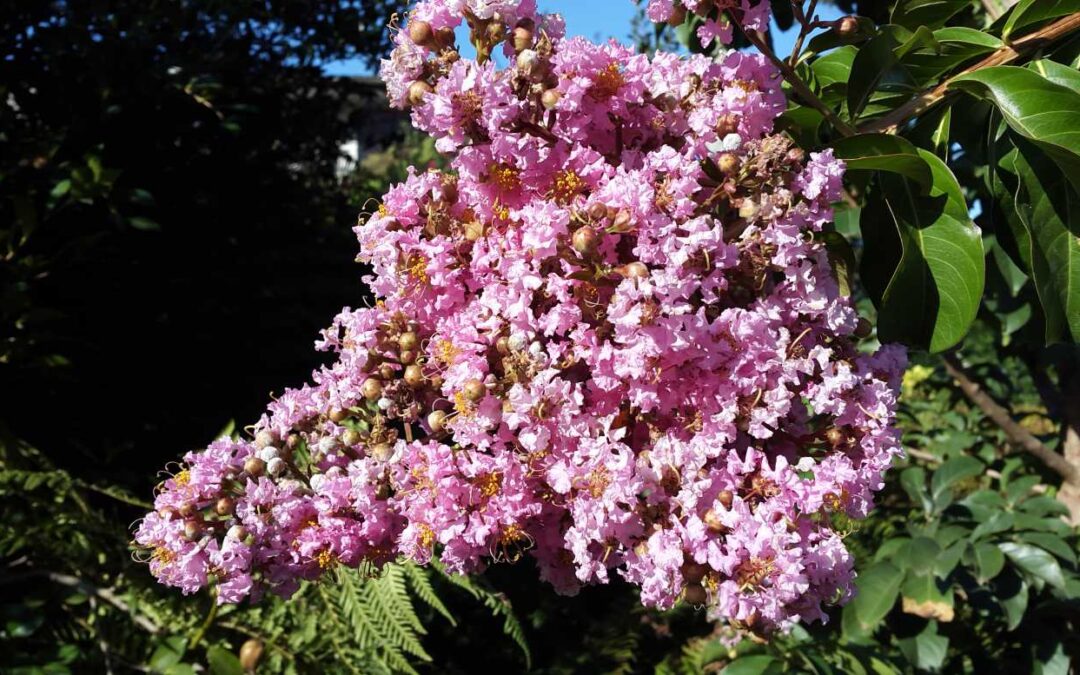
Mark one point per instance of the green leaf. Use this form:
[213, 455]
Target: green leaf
[169, 652]
[1042, 111]
[952, 472]
[1035, 562]
[756, 664]
[841, 259]
[1028, 12]
[1052, 543]
[871, 65]
[931, 13]
[921, 597]
[1015, 605]
[926, 271]
[223, 662]
[1058, 73]
[834, 67]
[967, 36]
[999, 522]
[1048, 207]
[921, 555]
[884, 152]
[927, 650]
[878, 586]
[989, 561]
[1051, 659]
[913, 480]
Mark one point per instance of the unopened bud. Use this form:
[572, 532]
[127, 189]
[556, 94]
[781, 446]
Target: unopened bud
[502, 345]
[254, 466]
[527, 60]
[550, 98]
[695, 594]
[420, 33]
[225, 506]
[338, 415]
[444, 37]
[414, 376]
[726, 498]
[694, 572]
[728, 163]
[417, 91]
[408, 340]
[678, 16]
[496, 32]
[381, 451]
[863, 329]
[523, 35]
[371, 389]
[584, 240]
[264, 438]
[796, 156]
[436, 419]
[238, 532]
[192, 530]
[847, 26]
[350, 437]
[474, 390]
[622, 220]
[634, 270]
[727, 124]
[250, 654]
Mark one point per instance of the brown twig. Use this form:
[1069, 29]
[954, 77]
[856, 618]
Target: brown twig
[1017, 435]
[891, 123]
[806, 24]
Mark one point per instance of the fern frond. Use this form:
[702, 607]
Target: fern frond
[420, 583]
[499, 605]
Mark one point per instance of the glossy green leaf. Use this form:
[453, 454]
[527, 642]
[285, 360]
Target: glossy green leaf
[931, 13]
[923, 263]
[834, 67]
[1048, 207]
[1035, 562]
[989, 561]
[1051, 659]
[1052, 543]
[756, 664]
[1029, 12]
[927, 650]
[871, 65]
[998, 522]
[967, 36]
[223, 662]
[913, 480]
[884, 152]
[921, 554]
[878, 587]
[1015, 605]
[952, 472]
[1044, 112]
[1058, 73]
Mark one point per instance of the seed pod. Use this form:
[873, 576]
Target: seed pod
[847, 26]
[338, 415]
[414, 376]
[584, 240]
[550, 98]
[436, 419]
[254, 466]
[444, 37]
[474, 390]
[695, 594]
[350, 437]
[678, 16]
[408, 341]
[225, 506]
[728, 163]
[417, 91]
[250, 654]
[381, 451]
[863, 329]
[420, 33]
[371, 389]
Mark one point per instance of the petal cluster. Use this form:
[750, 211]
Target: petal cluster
[607, 339]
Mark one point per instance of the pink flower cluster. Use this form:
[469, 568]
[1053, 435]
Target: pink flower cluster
[716, 15]
[608, 339]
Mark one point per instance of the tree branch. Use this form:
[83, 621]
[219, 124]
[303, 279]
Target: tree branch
[87, 588]
[891, 123]
[1017, 435]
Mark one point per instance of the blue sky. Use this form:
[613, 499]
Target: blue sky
[596, 20]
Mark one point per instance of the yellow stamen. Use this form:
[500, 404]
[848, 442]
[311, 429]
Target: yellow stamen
[567, 186]
[607, 82]
[506, 177]
[183, 478]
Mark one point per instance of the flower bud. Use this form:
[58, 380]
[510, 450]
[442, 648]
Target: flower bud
[523, 35]
[371, 389]
[444, 37]
[622, 220]
[678, 15]
[417, 91]
[796, 156]
[408, 356]
[350, 437]
[292, 442]
[338, 415]
[474, 390]
[694, 572]
[847, 26]
[726, 498]
[527, 61]
[502, 345]
[386, 371]
[254, 466]
[728, 163]
[550, 98]
[238, 532]
[408, 341]
[187, 510]
[276, 467]
[748, 209]
[420, 33]
[414, 376]
[250, 654]
[264, 438]
[381, 451]
[268, 453]
[436, 419]
[225, 506]
[192, 530]
[634, 270]
[727, 124]
[584, 240]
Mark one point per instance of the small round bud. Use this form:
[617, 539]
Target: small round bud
[192, 530]
[474, 229]
[225, 506]
[187, 510]
[796, 156]
[713, 522]
[444, 37]
[598, 211]
[502, 345]
[834, 436]
[276, 467]
[414, 376]
[268, 453]
[408, 341]
[381, 451]
[474, 390]
[522, 38]
[327, 444]
[585, 240]
[728, 163]
[264, 438]
[254, 466]
[420, 33]
[550, 98]
[371, 389]
[622, 220]
[863, 329]
[726, 498]
[694, 572]
[350, 437]
[527, 60]
[408, 356]
[417, 91]
[238, 532]
[436, 419]
[678, 16]
[634, 270]
[847, 26]
[695, 594]
[748, 209]
[516, 342]
[338, 415]
[250, 654]
[386, 371]
[292, 442]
